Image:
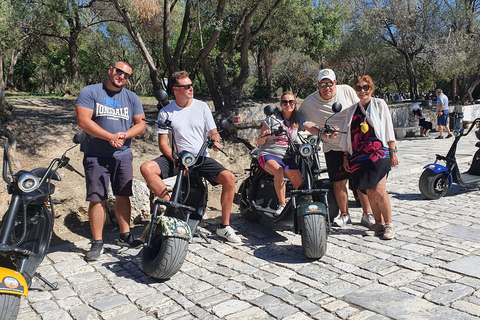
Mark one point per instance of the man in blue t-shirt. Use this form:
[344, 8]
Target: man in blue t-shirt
[106, 111]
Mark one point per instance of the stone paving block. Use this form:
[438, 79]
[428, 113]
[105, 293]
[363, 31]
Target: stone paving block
[109, 302]
[30, 315]
[333, 305]
[309, 307]
[135, 314]
[232, 287]
[118, 312]
[413, 265]
[200, 295]
[359, 281]
[209, 302]
[469, 266]
[462, 232]
[400, 278]
[470, 281]
[467, 307]
[347, 312]
[39, 296]
[448, 293]
[165, 310]
[339, 288]
[69, 302]
[413, 290]
[249, 294]
[265, 301]
[230, 307]
[84, 312]
[180, 299]
[281, 310]
[151, 302]
[297, 316]
[57, 314]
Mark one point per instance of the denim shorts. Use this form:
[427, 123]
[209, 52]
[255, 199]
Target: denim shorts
[101, 171]
[286, 164]
[442, 120]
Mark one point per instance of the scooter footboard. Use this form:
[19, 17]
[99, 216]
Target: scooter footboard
[12, 282]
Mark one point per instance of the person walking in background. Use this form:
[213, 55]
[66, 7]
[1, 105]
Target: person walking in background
[317, 108]
[426, 125]
[273, 154]
[106, 111]
[370, 152]
[443, 111]
[191, 120]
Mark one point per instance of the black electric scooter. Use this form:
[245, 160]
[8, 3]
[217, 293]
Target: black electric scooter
[437, 179]
[308, 207]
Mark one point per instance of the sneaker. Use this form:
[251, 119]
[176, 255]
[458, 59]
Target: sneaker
[423, 135]
[127, 240]
[229, 234]
[95, 250]
[279, 209]
[449, 136]
[389, 231]
[439, 137]
[377, 228]
[367, 219]
[342, 219]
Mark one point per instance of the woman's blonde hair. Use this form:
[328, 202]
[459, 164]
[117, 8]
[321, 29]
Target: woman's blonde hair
[293, 118]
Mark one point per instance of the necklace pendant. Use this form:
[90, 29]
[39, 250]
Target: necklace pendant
[364, 127]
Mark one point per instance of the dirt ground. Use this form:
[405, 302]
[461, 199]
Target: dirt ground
[44, 128]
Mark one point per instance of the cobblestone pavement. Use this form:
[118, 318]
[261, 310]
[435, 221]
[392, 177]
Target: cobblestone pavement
[431, 270]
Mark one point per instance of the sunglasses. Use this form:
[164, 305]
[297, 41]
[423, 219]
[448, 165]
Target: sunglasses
[326, 84]
[185, 86]
[365, 88]
[288, 102]
[120, 72]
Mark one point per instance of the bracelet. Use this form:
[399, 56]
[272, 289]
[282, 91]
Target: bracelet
[346, 155]
[393, 150]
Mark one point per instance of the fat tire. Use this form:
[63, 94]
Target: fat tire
[9, 306]
[429, 184]
[314, 235]
[165, 257]
[247, 213]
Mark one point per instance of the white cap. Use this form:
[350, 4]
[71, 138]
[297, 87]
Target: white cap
[326, 74]
[415, 106]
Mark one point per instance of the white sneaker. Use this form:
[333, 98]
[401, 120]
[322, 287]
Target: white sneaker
[367, 219]
[279, 209]
[342, 219]
[229, 234]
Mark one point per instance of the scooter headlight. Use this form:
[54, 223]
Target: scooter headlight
[188, 159]
[305, 150]
[28, 182]
[312, 140]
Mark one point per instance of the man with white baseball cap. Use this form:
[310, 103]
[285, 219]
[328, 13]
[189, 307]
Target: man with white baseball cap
[316, 108]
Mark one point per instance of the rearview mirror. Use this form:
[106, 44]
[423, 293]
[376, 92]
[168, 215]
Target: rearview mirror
[79, 137]
[268, 110]
[337, 107]
[161, 95]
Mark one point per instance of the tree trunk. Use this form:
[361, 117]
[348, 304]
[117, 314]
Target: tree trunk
[412, 76]
[137, 38]
[11, 69]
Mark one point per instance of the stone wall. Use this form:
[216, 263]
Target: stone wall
[252, 116]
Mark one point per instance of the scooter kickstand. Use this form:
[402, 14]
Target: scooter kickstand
[53, 286]
[203, 236]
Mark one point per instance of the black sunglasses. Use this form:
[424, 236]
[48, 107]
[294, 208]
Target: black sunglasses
[326, 84]
[365, 88]
[120, 72]
[185, 86]
[286, 102]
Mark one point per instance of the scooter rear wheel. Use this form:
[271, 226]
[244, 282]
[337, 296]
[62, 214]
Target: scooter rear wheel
[314, 235]
[433, 185]
[9, 305]
[165, 256]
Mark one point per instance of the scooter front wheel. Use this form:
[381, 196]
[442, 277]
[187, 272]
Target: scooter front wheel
[314, 235]
[9, 305]
[433, 185]
[165, 256]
